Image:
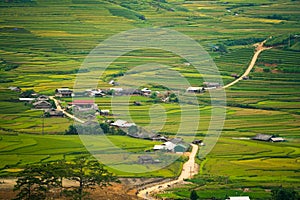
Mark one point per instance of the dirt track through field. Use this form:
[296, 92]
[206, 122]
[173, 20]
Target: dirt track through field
[188, 170]
[259, 48]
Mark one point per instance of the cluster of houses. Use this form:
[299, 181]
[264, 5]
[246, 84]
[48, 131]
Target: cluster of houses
[175, 145]
[41, 102]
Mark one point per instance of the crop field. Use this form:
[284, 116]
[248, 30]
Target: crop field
[234, 165]
[17, 150]
[44, 43]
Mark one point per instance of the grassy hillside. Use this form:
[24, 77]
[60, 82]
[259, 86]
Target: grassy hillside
[43, 44]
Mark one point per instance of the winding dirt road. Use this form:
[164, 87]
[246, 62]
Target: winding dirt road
[58, 107]
[188, 171]
[259, 48]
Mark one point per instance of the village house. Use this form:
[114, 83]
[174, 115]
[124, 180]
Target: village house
[15, 89]
[112, 82]
[104, 112]
[146, 91]
[170, 146]
[122, 124]
[167, 146]
[195, 89]
[235, 75]
[211, 85]
[55, 113]
[95, 93]
[277, 139]
[84, 105]
[268, 138]
[63, 92]
[42, 105]
[42, 98]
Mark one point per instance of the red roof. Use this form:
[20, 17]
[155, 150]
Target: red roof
[80, 102]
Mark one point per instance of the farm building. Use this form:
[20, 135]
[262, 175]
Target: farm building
[146, 90]
[235, 75]
[277, 139]
[42, 105]
[167, 146]
[104, 112]
[84, 105]
[268, 138]
[195, 89]
[63, 92]
[122, 124]
[211, 84]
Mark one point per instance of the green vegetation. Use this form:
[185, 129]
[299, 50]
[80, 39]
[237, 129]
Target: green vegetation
[39, 181]
[44, 43]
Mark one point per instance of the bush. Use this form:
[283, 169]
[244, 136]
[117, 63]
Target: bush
[281, 193]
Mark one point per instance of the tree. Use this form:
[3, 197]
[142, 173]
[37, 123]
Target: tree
[105, 127]
[35, 181]
[132, 130]
[173, 98]
[88, 173]
[284, 193]
[222, 48]
[72, 130]
[27, 93]
[194, 195]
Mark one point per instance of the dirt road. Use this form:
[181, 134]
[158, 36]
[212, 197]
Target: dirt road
[259, 48]
[188, 170]
[58, 107]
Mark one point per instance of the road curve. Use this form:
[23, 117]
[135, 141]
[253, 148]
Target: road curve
[259, 48]
[58, 107]
[188, 170]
